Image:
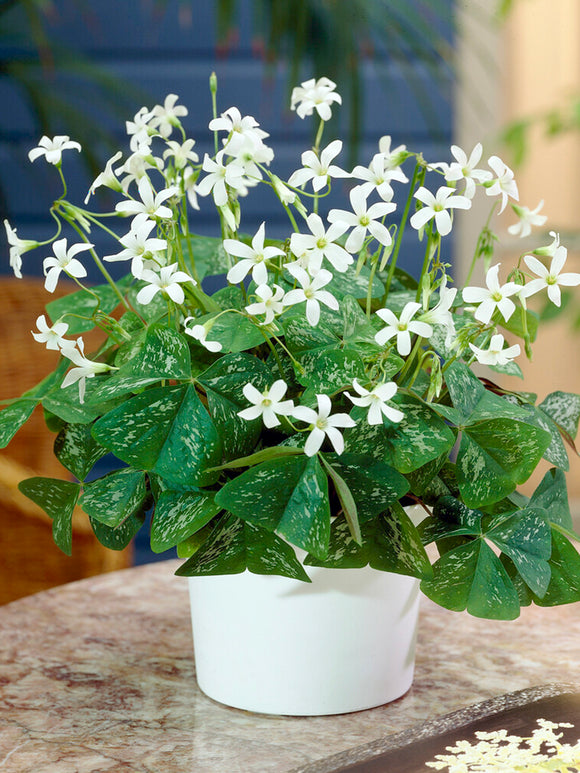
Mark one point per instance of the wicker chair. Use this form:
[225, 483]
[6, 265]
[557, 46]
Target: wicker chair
[29, 560]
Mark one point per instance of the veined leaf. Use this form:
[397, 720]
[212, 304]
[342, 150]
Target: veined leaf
[564, 409]
[178, 515]
[58, 499]
[77, 450]
[114, 497]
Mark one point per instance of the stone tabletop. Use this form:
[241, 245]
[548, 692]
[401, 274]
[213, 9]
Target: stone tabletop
[99, 676]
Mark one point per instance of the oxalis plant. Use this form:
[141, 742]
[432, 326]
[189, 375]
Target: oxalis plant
[306, 403]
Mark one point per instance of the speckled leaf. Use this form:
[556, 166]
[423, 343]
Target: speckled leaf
[164, 355]
[209, 255]
[116, 496]
[77, 450]
[85, 304]
[374, 484]
[65, 404]
[118, 538]
[357, 285]
[551, 497]
[357, 328]
[178, 515]
[564, 587]
[234, 546]
[329, 370]
[166, 430]
[472, 577]
[494, 456]
[153, 311]
[422, 481]
[301, 337]
[223, 382]
[564, 409]
[473, 401]
[288, 495]
[556, 451]
[58, 499]
[233, 331]
[525, 537]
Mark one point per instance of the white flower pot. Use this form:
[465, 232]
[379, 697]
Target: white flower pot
[274, 645]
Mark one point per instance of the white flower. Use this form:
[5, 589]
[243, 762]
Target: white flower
[199, 332]
[436, 206]
[17, 248]
[52, 336]
[496, 296]
[311, 292]
[496, 354]
[441, 313]
[402, 327]
[242, 131]
[85, 368]
[550, 249]
[52, 149]
[136, 166]
[189, 186]
[464, 168]
[253, 258]
[271, 303]
[267, 404]
[392, 158]
[323, 425]
[315, 95]
[181, 152]
[378, 177]
[151, 203]
[376, 401]
[138, 246]
[318, 169]
[320, 244]
[504, 185]
[166, 116]
[168, 281]
[139, 129]
[219, 176]
[107, 177]
[550, 278]
[363, 219]
[284, 193]
[64, 260]
[527, 218]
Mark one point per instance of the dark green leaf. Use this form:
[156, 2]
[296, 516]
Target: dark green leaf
[118, 538]
[178, 515]
[116, 496]
[551, 497]
[77, 450]
[329, 370]
[58, 499]
[84, 304]
[564, 587]
[564, 409]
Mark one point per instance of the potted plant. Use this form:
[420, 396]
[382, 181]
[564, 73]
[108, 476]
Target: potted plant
[304, 432]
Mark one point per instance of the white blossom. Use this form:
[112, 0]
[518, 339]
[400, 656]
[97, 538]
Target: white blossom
[219, 175]
[84, 369]
[311, 292]
[495, 296]
[17, 248]
[139, 248]
[496, 354]
[376, 401]
[181, 152]
[52, 149]
[441, 314]
[253, 258]
[52, 336]
[315, 95]
[527, 218]
[464, 168]
[151, 202]
[319, 170]
[63, 260]
[320, 244]
[551, 279]
[378, 178]
[166, 116]
[323, 425]
[401, 327]
[363, 219]
[200, 332]
[270, 304]
[140, 128]
[168, 281]
[392, 158]
[504, 184]
[107, 177]
[267, 404]
[436, 206]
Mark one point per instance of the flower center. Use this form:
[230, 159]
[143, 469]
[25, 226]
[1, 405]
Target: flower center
[551, 279]
[266, 402]
[321, 423]
[321, 243]
[496, 296]
[402, 326]
[364, 220]
[308, 292]
[437, 207]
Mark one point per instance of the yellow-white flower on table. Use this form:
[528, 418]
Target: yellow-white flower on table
[376, 401]
[63, 260]
[464, 168]
[496, 354]
[495, 296]
[252, 258]
[311, 292]
[314, 95]
[323, 425]
[550, 278]
[402, 327]
[267, 404]
[52, 149]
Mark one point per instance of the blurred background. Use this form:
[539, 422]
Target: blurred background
[426, 72]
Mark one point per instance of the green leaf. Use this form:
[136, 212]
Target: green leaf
[551, 497]
[329, 370]
[114, 497]
[356, 285]
[374, 485]
[264, 455]
[58, 499]
[556, 451]
[153, 311]
[77, 450]
[234, 546]
[346, 500]
[179, 515]
[564, 587]
[65, 404]
[166, 430]
[209, 255]
[163, 356]
[223, 383]
[473, 401]
[564, 409]
[119, 537]
[235, 332]
[472, 577]
[301, 337]
[525, 537]
[288, 495]
[85, 304]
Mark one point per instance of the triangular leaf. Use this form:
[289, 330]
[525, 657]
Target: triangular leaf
[58, 499]
[178, 515]
[77, 450]
[116, 496]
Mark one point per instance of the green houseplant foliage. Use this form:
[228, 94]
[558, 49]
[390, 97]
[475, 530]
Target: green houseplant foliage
[232, 414]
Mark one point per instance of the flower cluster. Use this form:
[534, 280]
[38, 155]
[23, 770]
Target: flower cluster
[321, 347]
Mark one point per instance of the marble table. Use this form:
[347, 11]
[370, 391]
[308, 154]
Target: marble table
[99, 676]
